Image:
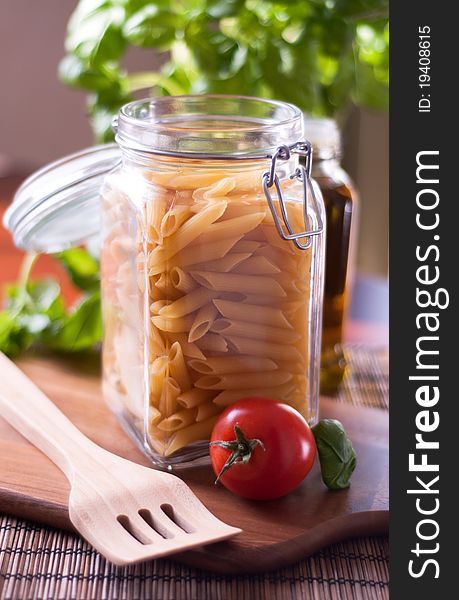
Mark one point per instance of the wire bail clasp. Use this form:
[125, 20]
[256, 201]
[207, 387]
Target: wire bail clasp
[303, 174]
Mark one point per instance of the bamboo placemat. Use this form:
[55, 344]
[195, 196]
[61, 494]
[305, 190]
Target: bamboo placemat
[40, 563]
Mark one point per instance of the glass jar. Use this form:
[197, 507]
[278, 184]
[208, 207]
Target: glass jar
[211, 263]
[340, 200]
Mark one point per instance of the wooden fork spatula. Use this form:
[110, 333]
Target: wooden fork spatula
[128, 512]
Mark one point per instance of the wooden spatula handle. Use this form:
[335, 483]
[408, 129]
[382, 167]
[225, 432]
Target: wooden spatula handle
[34, 415]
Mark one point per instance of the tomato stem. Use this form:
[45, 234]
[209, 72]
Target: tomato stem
[241, 450]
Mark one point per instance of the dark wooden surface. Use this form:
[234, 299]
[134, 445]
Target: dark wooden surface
[274, 533]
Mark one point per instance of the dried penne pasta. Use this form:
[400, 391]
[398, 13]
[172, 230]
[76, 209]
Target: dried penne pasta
[154, 215]
[165, 286]
[261, 348]
[236, 381]
[188, 349]
[179, 420]
[246, 246]
[173, 219]
[181, 280]
[231, 282]
[257, 264]
[185, 179]
[227, 397]
[199, 254]
[232, 364]
[207, 410]
[158, 372]
[230, 228]
[156, 344]
[228, 302]
[255, 331]
[168, 399]
[216, 190]
[154, 416]
[178, 368]
[188, 303]
[266, 315]
[194, 397]
[194, 227]
[255, 299]
[193, 433]
[202, 322]
[156, 306]
[281, 259]
[172, 324]
[212, 342]
[225, 264]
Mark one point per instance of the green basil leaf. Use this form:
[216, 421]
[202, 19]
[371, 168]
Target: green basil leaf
[43, 294]
[14, 338]
[80, 330]
[82, 268]
[336, 454]
[151, 26]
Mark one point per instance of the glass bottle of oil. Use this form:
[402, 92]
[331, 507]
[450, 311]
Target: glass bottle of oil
[340, 205]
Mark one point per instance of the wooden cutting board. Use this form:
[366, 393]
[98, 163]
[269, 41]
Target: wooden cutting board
[275, 533]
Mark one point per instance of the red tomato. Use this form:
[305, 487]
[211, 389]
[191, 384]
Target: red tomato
[277, 465]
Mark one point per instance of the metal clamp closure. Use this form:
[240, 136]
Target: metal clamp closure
[302, 173]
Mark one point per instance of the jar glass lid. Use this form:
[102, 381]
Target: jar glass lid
[57, 207]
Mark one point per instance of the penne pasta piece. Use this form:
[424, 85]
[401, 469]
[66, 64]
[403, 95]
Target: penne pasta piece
[158, 373]
[185, 179]
[230, 228]
[192, 228]
[296, 368]
[212, 342]
[236, 381]
[232, 282]
[188, 349]
[181, 280]
[154, 212]
[194, 397]
[279, 258]
[158, 305]
[216, 190]
[188, 303]
[178, 368]
[171, 324]
[173, 219]
[207, 410]
[248, 180]
[255, 331]
[243, 208]
[193, 433]
[246, 246]
[198, 254]
[254, 299]
[168, 399]
[232, 364]
[257, 265]
[158, 439]
[266, 315]
[154, 416]
[256, 235]
[260, 348]
[156, 344]
[165, 286]
[179, 420]
[272, 236]
[225, 264]
[202, 322]
[281, 392]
